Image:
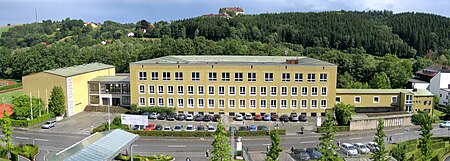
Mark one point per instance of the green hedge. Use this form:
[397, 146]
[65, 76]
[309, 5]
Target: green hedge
[143, 158]
[440, 153]
[17, 85]
[259, 132]
[14, 156]
[28, 123]
[28, 151]
[201, 133]
[337, 128]
[141, 109]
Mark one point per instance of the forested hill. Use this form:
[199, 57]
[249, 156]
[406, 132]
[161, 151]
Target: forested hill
[341, 37]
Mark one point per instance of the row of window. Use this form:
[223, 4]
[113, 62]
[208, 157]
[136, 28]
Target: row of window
[242, 103]
[242, 90]
[376, 99]
[238, 76]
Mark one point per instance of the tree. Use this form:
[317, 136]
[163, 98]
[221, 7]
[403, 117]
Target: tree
[326, 145]
[7, 131]
[380, 81]
[343, 113]
[275, 148]
[399, 152]
[21, 107]
[57, 103]
[425, 144]
[380, 155]
[222, 150]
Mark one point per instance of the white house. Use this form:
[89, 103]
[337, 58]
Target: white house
[435, 78]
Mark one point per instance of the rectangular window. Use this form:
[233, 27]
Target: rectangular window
[225, 76]
[169, 89]
[211, 90]
[285, 77]
[293, 104]
[338, 99]
[181, 102]
[323, 103]
[263, 91]
[238, 77]
[252, 103]
[180, 90]
[221, 103]
[242, 90]
[313, 103]
[273, 104]
[273, 91]
[408, 99]
[394, 99]
[178, 76]
[212, 76]
[141, 89]
[154, 76]
[323, 77]
[304, 91]
[262, 104]
[298, 77]
[314, 91]
[151, 101]
[311, 77]
[190, 103]
[190, 90]
[251, 77]
[283, 104]
[166, 76]
[201, 103]
[200, 90]
[357, 99]
[195, 76]
[284, 91]
[268, 77]
[170, 102]
[141, 101]
[161, 102]
[304, 104]
[294, 91]
[376, 99]
[142, 76]
[231, 90]
[210, 103]
[151, 89]
[253, 91]
[221, 90]
[323, 91]
[231, 103]
[241, 103]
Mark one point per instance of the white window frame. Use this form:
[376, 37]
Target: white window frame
[190, 105]
[374, 99]
[150, 101]
[285, 77]
[273, 106]
[304, 93]
[316, 105]
[168, 102]
[141, 88]
[298, 77]
[225, 79]
[198, 90]
[150, 87]
[159, 89]
[238, 76]
[261, 103]
[179, 76]
[392, 99]
[142, 101]
[180, 105]
[223, 90]
[160, 103]
[312, 91]
[221, 103]
[242, 106]
[171, 92]
[213, 90]
[255, 91]
[268, 77]
[271, 91]
[312, 79]
[141, 77]
[180, 92]
[234, 90]
[286, 92]
[252, 104]
[201, 105]
[194, 77]
[261, 90]
[250, 77]
[326, 91]
[155, 76]
[323, 80]
[244, 92]
[166, 76]
[304, 104]
[294, 104]
[354, 99]
[292, 91]
[323, 105]
[231, 103]
[191, 90]
[213, 103]
[283, 104]
[212, 76]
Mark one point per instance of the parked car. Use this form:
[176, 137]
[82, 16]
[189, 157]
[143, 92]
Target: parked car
[189, 117]
[198, 117]
[190, 128]
[243, 128]
[274, 117]
[153, 115]
[303, 118]
[373, 146]
[252, 128]
[162, 116]
[158, 127]
[314, 153]
[362, 149]
[207, 118]
[138, 127]
[348, 149]
[211, 128]
[171, 117]
[262, 127]
[178, 128]
[284, 118]
[239, 117]
[248, 117]
[301, 154]
[232, 128]
[167, 128]
[258, 117]
[216, 117]
[444, 124]
[181, 116]
[266, 117]
[293, 117]
[150, 127]
[200, 128]
[49, 124]
[146, 114]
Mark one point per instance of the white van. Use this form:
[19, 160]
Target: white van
[349, 149]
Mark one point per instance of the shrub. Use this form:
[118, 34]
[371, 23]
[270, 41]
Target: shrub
[14, 156]
[337, 128]
[17, 85]
[122, 157]
[201, 133]
[28, 151]
[28, 123]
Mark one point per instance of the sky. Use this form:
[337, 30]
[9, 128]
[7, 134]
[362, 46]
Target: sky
[131, 11]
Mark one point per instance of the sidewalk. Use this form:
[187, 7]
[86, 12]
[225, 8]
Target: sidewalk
[260, 156]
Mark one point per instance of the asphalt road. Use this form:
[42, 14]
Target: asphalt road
[51, 143]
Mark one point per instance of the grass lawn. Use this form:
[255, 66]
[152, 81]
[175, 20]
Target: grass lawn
[7, 97]
[4, 29]
[438, 113]
[2, 159]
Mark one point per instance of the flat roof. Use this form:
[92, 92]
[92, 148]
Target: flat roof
[79, 69]
[419, 92]
[413, 80]
[118, 79]
[445, 89]
[232, 60]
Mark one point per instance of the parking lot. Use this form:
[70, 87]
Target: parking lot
[344, 150]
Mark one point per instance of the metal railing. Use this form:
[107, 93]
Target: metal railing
[246, 154]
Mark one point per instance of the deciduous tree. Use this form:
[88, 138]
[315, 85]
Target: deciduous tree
[275, 148]
[222, 150]
[326, 145]
[380, 154]
[57, 103]
[425, 144]
[380, 81]
[343, 113]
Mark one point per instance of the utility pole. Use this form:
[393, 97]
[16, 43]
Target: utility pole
[35, 13]
[31, 106]
[39, 104]
[109, 119]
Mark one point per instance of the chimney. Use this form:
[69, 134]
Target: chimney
[414, 90]
[291, 61]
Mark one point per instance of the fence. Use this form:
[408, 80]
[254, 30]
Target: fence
[246, 154]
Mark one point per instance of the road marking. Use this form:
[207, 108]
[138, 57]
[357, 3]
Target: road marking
[355, 138]
[46, 154]
[400, 133]
[176, 146]
[290, 157]
[306, 142]
[41, 139]
[18, 137]
[266, 144]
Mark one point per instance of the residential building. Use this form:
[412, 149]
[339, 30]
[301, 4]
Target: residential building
[235, 10]
[435, 78]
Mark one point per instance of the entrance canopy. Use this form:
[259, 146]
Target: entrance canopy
[102, 146]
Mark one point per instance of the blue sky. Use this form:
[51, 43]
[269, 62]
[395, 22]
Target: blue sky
[23, 11]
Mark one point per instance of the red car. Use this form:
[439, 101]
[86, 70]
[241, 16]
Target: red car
[150, 127]
[258, 117]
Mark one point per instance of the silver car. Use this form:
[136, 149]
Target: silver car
[362, 149]
[153, 115]
[239, 117]
[49, 124]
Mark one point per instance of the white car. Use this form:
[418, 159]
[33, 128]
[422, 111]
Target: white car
[167, 128]
[239, 117]
[49, 124]
[189, 117]
[373, 146]
[444, 124]
[190, 128]
[248, 117]
[349, 149]
[153, 115]
[211, 128]
[178, 128]
[362, 149]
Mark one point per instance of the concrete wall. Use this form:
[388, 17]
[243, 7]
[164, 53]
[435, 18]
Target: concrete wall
[372, 122]
[421, 85]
